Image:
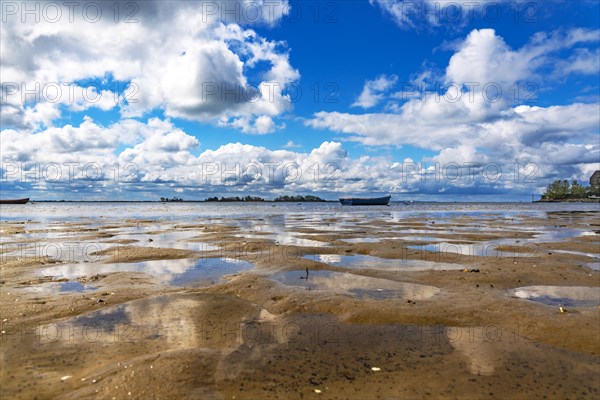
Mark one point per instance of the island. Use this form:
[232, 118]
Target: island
[300, 199]
[235, 199]
[563, 191]
[280, 199]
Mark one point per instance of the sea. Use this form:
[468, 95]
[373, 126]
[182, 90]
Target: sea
[178, 211]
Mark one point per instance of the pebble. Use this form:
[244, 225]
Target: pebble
[376, 369]
[317, 390]
[64, 378]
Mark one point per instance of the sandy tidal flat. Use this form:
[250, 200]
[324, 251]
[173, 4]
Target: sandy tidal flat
[302, 305]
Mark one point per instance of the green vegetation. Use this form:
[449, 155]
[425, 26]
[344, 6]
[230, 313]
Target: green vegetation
[299, 199]
[562, 190]
[236, 198]
[173, 199]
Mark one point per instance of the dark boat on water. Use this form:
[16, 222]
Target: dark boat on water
[16, 201]
[372, 201]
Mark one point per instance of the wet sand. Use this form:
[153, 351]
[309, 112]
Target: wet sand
[256, 308]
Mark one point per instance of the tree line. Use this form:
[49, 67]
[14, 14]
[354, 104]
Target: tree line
[308, 198]
[163, 199]
[236, 198]
[563, 190]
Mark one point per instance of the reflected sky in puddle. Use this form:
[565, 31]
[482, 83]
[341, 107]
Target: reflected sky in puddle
[178, 322]
[79, 247]
[16, 238]
[75, 287]
[483, 355]
[285, 238]
[172, 239]
[428, 239]
[540, 234]
[371, 262]
[595, 266]
[560, 234]
[355, 285]
[484, 249]
[184, 272]
[362, 240]
[107, 319]
[210, 271]
[59, 287]
[66, 251]
[568, 296]
[578, 253]
[281, 229]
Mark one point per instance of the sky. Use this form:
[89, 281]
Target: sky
[484, 100]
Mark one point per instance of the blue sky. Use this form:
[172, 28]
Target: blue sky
[439, 100]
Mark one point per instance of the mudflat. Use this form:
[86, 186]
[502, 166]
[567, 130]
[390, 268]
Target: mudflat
[296, 307]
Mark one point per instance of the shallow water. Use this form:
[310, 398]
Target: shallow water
[75, 287]
[578, 253]
[595, 266]
[59, 287]
[199, 211]
[172, 239]
[355, 285]
[284, 239]
[165, 321]
[362, 240]
[483, 249]
[371, 262]
[69, 250]
[183, 272]
[568, 296]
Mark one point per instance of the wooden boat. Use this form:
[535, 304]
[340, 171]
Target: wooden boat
[15, 201]
[372, 201]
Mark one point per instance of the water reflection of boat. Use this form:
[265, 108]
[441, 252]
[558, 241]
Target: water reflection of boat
[371, 201]
[15, 201]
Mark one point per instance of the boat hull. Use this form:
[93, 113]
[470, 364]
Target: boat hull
[16, 201]
[375, 201]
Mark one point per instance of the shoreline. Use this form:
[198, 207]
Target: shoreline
[570, 201]
[400, 202]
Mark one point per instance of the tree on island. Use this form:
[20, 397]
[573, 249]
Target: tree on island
[164, 199]
[308, 198]
[256, 198]
[236, 198]
[578, 191]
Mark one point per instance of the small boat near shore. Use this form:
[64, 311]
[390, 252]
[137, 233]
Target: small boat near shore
[15, 201]
[371, 201]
